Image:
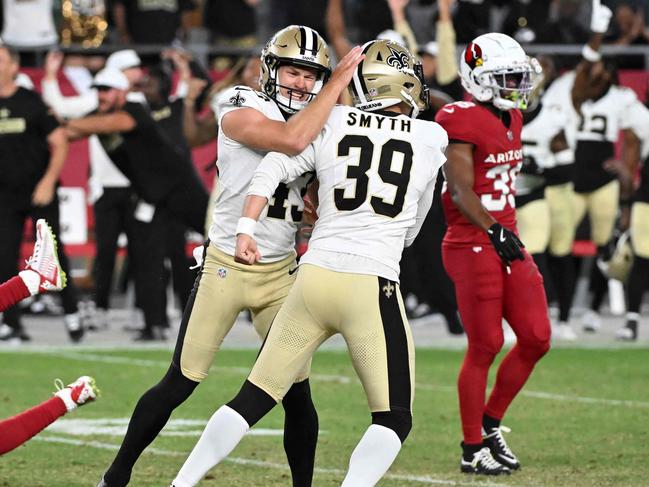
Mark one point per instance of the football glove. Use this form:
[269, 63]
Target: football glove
[508, 246]
[600, 17]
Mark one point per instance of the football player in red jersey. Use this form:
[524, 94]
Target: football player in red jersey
[494, 276]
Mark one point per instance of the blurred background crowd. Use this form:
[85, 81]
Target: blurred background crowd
[177, 56]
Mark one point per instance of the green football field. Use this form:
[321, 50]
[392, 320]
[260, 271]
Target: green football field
[583, 420]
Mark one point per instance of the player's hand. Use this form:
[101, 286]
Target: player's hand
[53, 62]
[246, 251]
[43, 193]
[343, 73]
[508, 246]
[600, 17]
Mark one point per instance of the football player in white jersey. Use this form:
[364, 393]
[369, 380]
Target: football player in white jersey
[544, 196]
[376, 167]
[295, 68]
[637, 281]
[602, 105]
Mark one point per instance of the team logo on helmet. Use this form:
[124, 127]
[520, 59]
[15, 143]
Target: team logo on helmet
[397, 59]
[473, 55]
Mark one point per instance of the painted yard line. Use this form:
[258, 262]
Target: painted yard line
[342, 379]
[421, 479]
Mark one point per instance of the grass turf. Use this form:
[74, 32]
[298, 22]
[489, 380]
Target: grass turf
[571, 427]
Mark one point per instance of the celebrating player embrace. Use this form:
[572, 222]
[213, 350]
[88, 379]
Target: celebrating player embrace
[377, 169]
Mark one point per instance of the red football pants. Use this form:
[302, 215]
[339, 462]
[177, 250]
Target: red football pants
[12, 291]
[18, 429]
[487, 293]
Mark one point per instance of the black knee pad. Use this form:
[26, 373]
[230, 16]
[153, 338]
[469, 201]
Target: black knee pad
[399, 421]
[252, 403]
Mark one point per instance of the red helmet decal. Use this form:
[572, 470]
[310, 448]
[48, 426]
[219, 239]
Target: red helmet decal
[473, 55]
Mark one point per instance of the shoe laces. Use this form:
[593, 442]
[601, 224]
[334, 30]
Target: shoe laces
[36, 255]
[484, 457]
[497, 434]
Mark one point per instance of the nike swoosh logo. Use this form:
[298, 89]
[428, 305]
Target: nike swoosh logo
[502, 235]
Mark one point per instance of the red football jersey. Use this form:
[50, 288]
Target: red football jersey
[497, 158]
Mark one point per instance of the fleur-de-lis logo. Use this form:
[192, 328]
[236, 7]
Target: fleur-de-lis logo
[397, 59]
[388, 290]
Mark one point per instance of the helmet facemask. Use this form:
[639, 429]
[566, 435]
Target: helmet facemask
[511, 87]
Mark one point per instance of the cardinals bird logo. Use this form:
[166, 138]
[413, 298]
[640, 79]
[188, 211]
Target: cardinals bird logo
[473, 55]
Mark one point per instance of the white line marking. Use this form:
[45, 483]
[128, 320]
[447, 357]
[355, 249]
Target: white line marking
[421, 479]
[345, 379]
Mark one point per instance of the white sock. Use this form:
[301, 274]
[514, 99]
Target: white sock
[31, 279]
[222, 433]
[372, 457]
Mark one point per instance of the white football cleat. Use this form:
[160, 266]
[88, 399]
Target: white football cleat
[563, 331]
[78, 393]
[591, 321]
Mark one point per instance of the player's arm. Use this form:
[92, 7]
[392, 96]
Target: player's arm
[599, 21]
[447, 67]
[44, 191]
[275, 168]
[400, 23]
[64, 106]
[459, 174]
[563, 155]
[335, 21]
[100, 124]
[253, 129]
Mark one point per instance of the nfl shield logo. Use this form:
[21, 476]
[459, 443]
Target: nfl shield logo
[222, 272]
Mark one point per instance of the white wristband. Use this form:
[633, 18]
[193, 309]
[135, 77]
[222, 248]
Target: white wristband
[590, 54]
[246, 225]
[564, 157]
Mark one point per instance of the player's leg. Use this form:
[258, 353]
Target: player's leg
[525, 309]
[293, 338]
[18, 429]
[638, 280]
[268, 291]
[477, 273]
[602, 210]
[206, 321]
[374, 325]
[11, 228]
[562, 235]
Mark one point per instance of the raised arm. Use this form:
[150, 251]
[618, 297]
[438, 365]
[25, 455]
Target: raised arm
[600, 19]
[400, 22]
[336, 28]
[64, 106]
[447, 68]
[253, 129]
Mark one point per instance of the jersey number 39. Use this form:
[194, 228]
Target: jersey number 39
[399, 179]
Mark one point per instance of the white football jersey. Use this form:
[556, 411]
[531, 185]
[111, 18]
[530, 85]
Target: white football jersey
[275, 233]
[559, 96]
[537, 134]
[638, 120]
[376, 175]
[602, 119]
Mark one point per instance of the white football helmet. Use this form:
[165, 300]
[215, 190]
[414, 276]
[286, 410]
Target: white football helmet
[494, 68]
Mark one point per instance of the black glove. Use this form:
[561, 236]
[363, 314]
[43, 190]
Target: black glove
[508, 246]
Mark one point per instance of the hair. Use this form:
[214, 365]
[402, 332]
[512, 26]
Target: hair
[13, 54]
[162, 74]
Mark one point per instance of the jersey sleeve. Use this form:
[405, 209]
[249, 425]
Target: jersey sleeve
[235, 98]
[628, 100]
[455, 118]
[44, 119]
[278, 168]
[139, 114]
